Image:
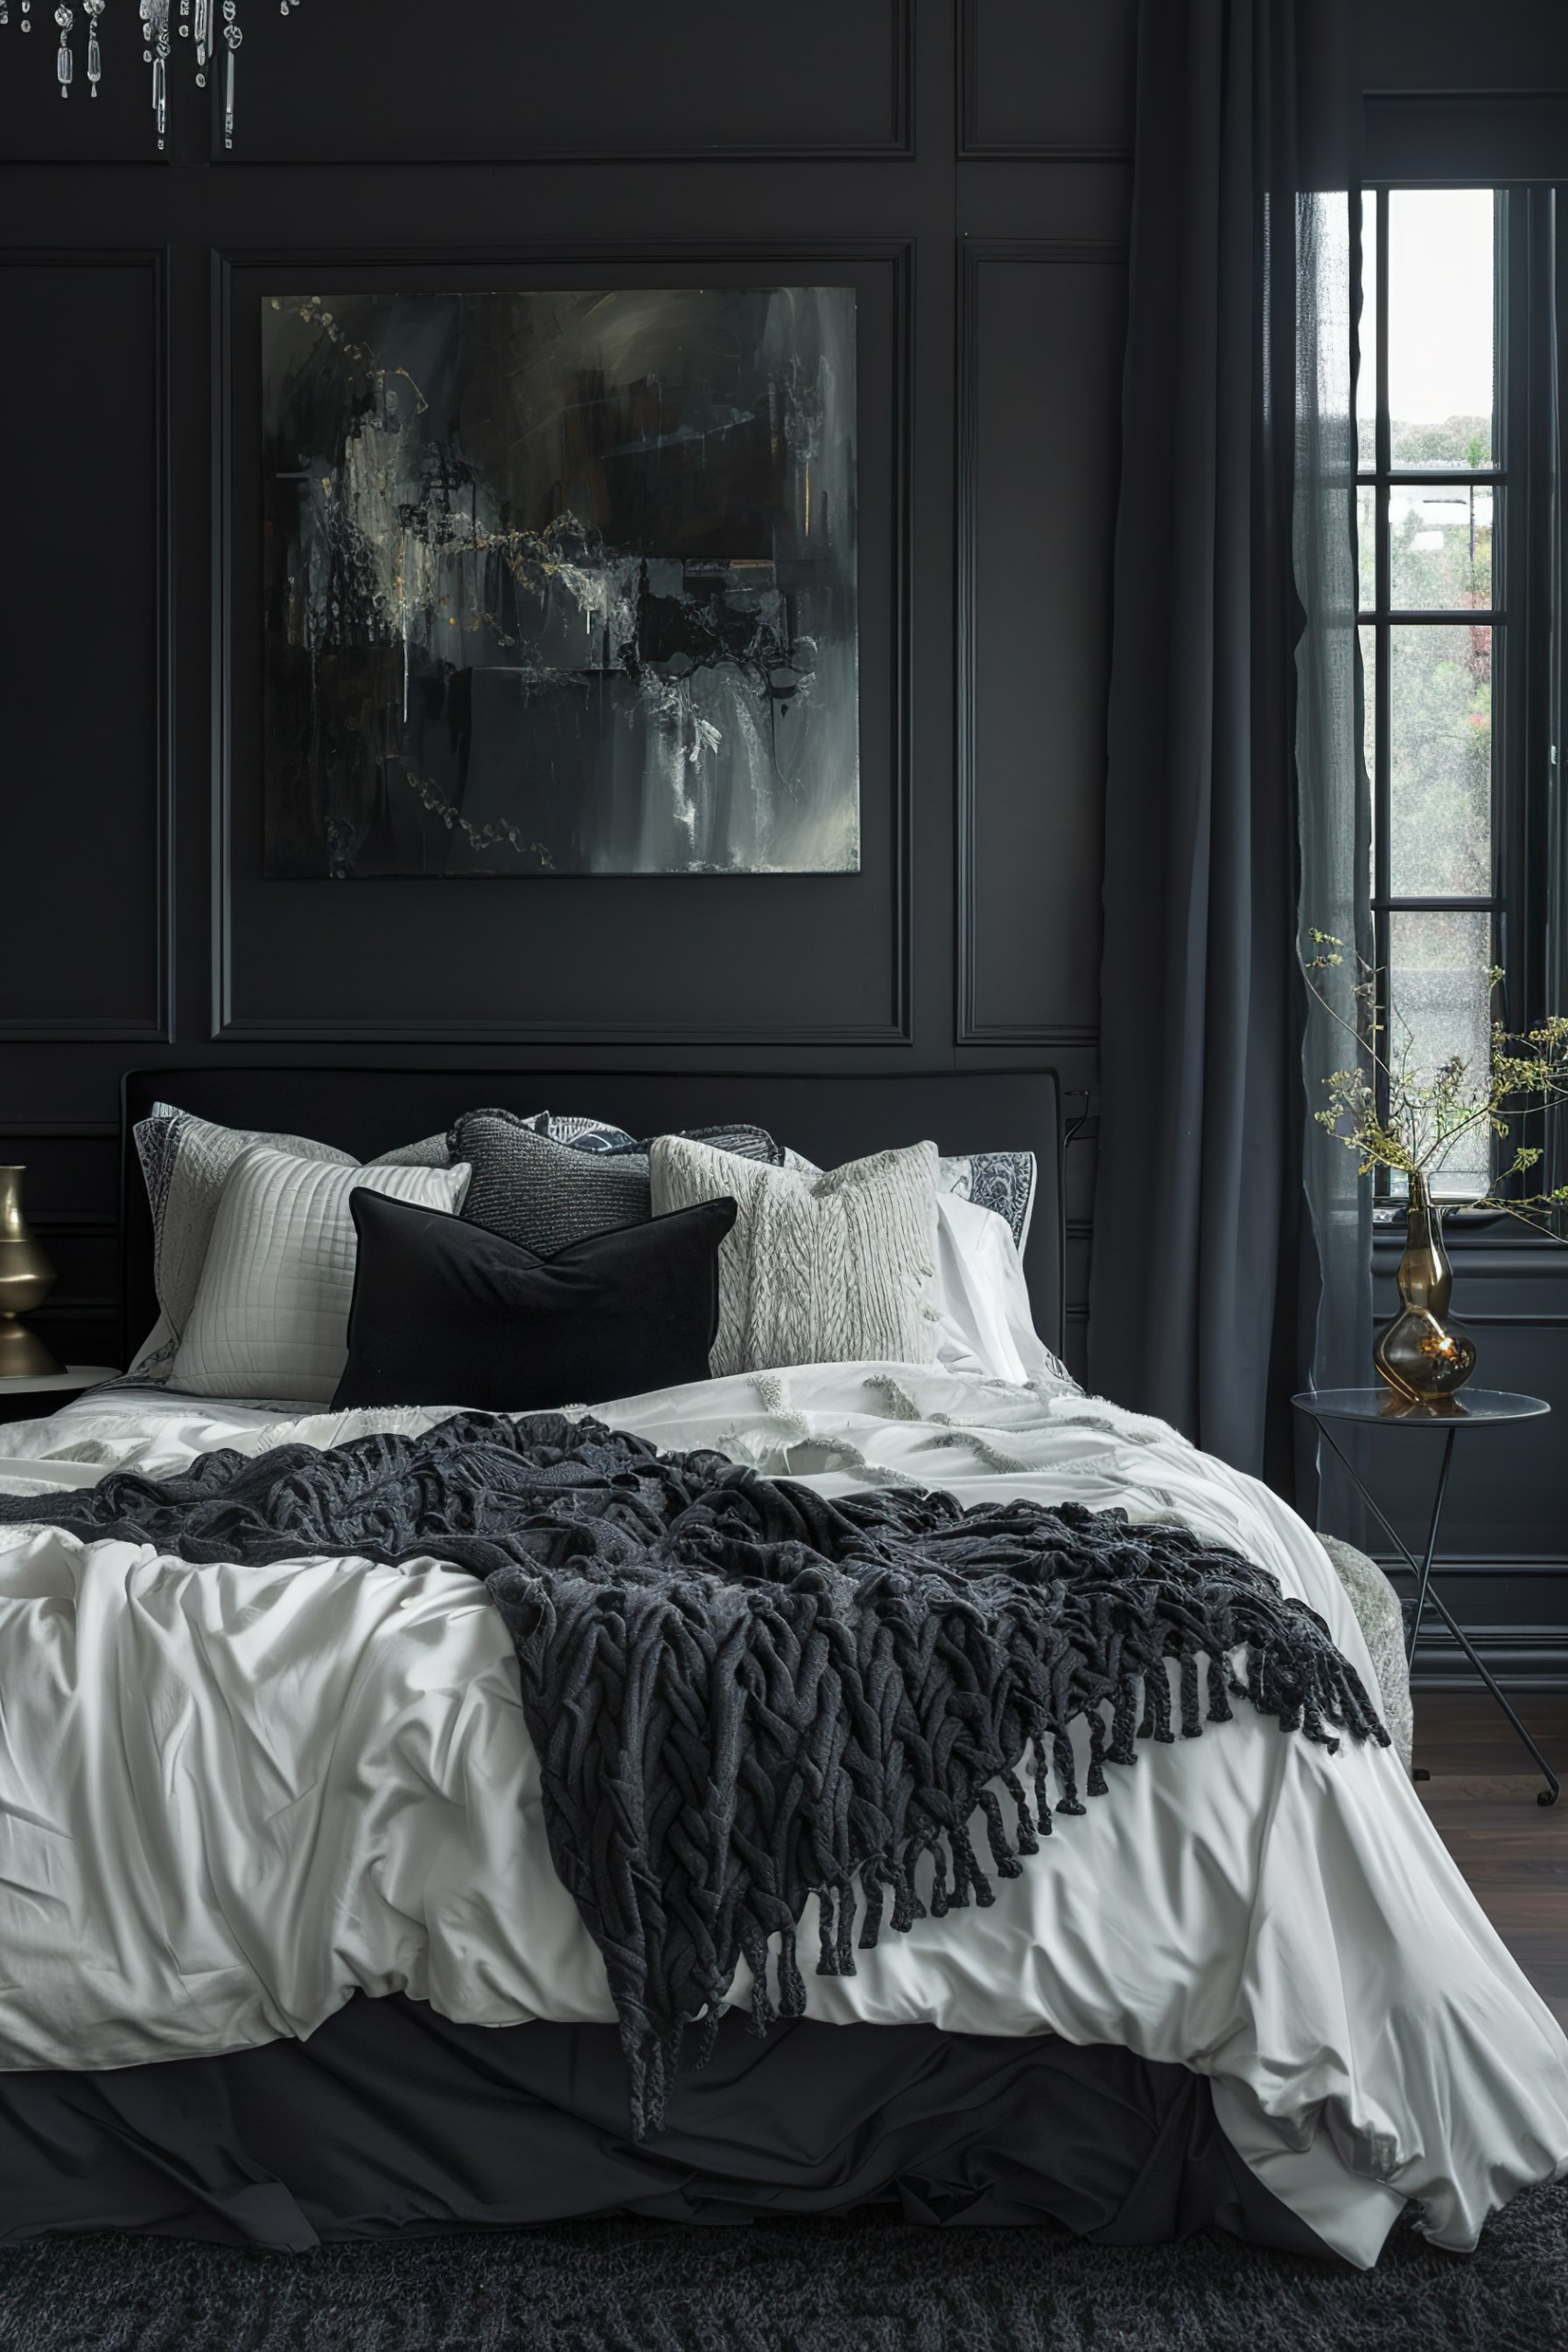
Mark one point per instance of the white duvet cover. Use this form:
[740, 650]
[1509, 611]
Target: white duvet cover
[230, 1797]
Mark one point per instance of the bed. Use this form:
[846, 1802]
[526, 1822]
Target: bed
[285, 1957]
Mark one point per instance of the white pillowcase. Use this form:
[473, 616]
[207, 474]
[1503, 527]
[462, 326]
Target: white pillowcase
[270, 1319]
[985, 1320]
[823, 1269]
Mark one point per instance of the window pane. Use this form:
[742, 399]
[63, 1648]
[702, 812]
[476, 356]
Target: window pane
[1367, 374]
[1441, 326]
[1441, 545]
[1440, 766]
[1367, 545]
[1441, 1006]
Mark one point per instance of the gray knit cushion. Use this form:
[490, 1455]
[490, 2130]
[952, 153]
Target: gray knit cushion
[430, 1152]
[1378, 1614]
[1002, 1181]
[547, 1189]
[839, 1268]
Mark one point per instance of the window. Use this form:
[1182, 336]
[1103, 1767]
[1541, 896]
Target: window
[1439, 485]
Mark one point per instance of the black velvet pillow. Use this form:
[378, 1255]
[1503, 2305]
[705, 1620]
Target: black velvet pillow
[447, 1313]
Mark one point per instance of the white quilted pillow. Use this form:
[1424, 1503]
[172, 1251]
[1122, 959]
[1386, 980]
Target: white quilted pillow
[270, 1318]
[819, 1268]
[186, 1161]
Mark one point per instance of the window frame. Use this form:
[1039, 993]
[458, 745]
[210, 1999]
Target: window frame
[1502, 477]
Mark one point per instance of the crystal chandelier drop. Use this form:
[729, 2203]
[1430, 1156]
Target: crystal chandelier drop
[196, 24]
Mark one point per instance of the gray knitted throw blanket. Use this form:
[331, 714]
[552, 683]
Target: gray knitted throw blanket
[742, 1693]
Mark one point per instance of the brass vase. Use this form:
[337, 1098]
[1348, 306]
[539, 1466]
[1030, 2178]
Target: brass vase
[1423, 1354]
[26, 1280]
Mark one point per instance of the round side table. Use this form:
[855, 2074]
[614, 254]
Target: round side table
[1473, 1409]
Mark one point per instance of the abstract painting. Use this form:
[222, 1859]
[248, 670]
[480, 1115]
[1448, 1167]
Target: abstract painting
[560, 583]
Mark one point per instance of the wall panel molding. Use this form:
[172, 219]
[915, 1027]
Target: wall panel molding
[114, 133]
[1523, 1656]
[230, 1020]
[50, 1130]
[1030, 1033]
[1112, 142]
[112, 1022]
[980, 1022]
[272, 80]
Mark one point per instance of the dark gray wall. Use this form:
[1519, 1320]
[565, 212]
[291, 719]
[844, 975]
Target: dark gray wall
[964, 167]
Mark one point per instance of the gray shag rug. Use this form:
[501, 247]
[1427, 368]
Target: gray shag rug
[865, 2284]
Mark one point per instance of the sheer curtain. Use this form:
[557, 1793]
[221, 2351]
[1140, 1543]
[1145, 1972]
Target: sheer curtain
[1333, 808]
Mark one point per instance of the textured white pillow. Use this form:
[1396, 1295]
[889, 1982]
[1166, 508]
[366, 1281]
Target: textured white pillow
[984, 1319]
[824, 1269]
[271, 1313]
[186, 1161]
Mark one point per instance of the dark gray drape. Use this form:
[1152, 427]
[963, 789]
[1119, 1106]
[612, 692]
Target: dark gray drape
[1202, 1303]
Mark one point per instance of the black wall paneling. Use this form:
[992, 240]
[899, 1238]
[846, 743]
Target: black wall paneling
[490, 82]
[1426, 48]
[1038, 465]
[84, 948]
[1046, 77]
[778, 960]
[493, 146]
[1480, 137]
[70, 1192]
[36, 126]
[1505, 1523]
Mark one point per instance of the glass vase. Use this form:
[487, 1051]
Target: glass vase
[1423, 1354]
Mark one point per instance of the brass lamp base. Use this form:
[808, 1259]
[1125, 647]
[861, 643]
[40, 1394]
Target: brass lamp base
[26, 1280]
[23, 1355]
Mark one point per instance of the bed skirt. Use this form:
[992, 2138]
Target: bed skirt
[391, 2119]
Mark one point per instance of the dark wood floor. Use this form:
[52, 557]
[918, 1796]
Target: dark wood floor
[1513, 1851]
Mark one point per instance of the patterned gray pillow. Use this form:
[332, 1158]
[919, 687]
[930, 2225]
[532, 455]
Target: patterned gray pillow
[582, 1134]
[596, 1134]
[1001, 1181]
[551, 1179]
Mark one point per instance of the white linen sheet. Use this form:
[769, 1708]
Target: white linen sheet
[230, 1797]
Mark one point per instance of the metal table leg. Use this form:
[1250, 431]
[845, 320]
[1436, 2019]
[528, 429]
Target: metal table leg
[1426, 1592]
[1424, 1574]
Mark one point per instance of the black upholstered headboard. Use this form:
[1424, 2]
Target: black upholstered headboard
[830, 1118]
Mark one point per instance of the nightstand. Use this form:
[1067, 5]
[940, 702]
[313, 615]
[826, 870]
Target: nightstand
[1467, 1409]
[33, 1396]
